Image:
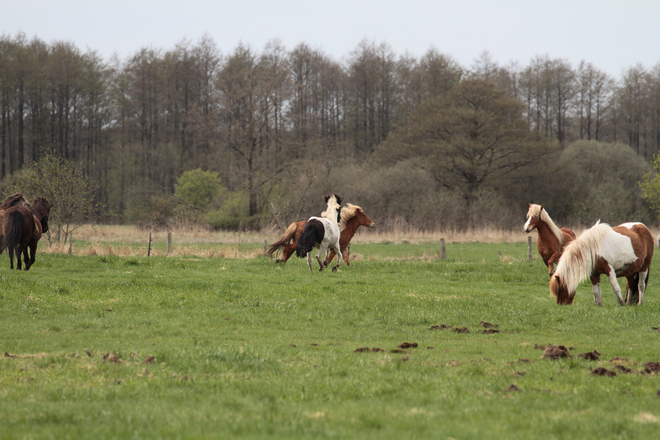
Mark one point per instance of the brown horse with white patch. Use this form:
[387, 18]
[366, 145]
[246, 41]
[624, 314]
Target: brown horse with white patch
[551, 239]
[351, 217]
[623, 251]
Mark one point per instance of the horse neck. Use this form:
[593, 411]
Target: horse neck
[548, 234]
[351, 227]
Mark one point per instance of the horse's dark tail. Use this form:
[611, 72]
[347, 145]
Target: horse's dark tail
[284, 239]
[312, 235]
[14, 232]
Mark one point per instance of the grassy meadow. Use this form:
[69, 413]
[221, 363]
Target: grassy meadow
[220, 342]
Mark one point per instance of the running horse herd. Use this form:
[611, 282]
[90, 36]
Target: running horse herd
[621, 251]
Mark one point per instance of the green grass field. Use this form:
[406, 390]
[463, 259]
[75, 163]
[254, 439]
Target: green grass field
[245, 348]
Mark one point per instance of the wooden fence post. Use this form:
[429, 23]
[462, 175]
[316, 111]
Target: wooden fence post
[70, 243]
[149, 247]
[265, 248]
[529, 247]
[169, 243]
[443, 251]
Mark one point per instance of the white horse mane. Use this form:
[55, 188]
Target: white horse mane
[331, 212]
[347, 213]
[543, 214]
[580, 256]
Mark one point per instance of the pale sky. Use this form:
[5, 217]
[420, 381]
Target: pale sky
[612, 35]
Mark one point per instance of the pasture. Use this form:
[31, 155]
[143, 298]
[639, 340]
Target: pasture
[198, 346]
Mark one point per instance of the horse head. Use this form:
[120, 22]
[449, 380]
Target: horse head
[559, 290]
[41, 208]
[362, 218]
[533, 217]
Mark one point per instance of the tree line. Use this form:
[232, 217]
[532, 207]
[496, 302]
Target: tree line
[278, 127]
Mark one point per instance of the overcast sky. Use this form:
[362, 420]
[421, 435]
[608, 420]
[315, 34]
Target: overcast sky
[612, 35]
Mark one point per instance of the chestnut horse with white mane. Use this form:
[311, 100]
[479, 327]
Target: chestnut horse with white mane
[623, 251]
[551, 240]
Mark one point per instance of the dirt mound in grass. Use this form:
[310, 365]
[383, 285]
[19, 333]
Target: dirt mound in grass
[600, 371]
[367, 349]
[462, 330]
[440, 327]
[489, 325]
[555, 352]
[623, 368]
[408, 345]
[590, 356]
[490, 331]
[652, 367]
[112, 357]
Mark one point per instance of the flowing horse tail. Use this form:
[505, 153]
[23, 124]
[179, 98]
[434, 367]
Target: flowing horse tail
[312, 235]
[14, 232]
[284, 240]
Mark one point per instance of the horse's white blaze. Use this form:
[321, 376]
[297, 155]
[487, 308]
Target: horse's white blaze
[526, 227]
[617, 249]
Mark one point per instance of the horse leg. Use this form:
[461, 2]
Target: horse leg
[595, 287]
[26, 258]
[19, 263]
[615, 285]
[322, 250]
[642, 286]
[339, 257]
[10, 251]
[309, 261]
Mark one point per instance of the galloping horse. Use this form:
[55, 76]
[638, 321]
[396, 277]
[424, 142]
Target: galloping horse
[17, 199]
[23, 227]
[352, 217]
[623, 251]
[322, 233]
[552, 240]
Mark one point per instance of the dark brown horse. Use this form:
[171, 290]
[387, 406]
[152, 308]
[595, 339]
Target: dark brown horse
[552, 240]
[351, 218]
[23, 227]
[17, 199]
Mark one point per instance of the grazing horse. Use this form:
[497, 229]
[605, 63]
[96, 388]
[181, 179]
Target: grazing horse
[552, 240]
[623, 251]
[322, 233]
[17, 199]
[23, 227]
[352, 217]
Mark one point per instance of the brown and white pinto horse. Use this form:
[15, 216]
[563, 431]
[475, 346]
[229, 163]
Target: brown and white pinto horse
[551, 240]
[322, 233]
[23, 227]
[623, 251]
[352, 217]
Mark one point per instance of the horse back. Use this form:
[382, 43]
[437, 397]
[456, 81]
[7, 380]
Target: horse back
[18, 226]
[641, 240]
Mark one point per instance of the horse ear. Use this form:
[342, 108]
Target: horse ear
[338, 198]
[541, 208]
[326, 198]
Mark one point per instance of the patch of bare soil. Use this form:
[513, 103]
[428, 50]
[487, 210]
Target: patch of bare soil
[462, 330]
[489, 325]
[600, 371]
[590, 356]
[490, 331]
[539, 347]
[7, 355]
[520, 373]
[408, 345]
[652, 367]
[112, 357]
[440, 327]
[513, 387]
[524, 361]
[623, 368]
[657, 329]
[366, 349]
[555, 352]
[149, 360]
[405, 358]
[614, 359]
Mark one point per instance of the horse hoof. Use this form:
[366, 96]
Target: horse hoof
[334, 269]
